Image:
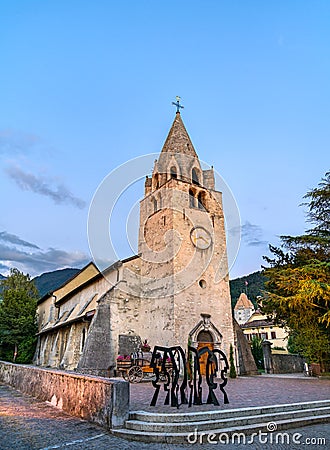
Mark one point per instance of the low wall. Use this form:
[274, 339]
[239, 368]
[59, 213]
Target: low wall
[101, 400]
[287, 363]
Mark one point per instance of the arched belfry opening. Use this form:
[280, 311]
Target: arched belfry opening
[173, 172]
[202, 201]
[195, 176]
[156, 181]
[192, 199]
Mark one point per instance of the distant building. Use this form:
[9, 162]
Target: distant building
[259, 325]
[244, 309]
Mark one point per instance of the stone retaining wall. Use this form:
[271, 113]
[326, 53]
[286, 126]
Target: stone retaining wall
[101, 400]
[287, 363]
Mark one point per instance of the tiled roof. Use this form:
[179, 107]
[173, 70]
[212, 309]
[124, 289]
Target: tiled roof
[178, 140]
[244, 302]
[258, 324]
[76, 313]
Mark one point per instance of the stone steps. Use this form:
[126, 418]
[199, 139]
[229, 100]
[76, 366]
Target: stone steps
[176, 427]
[206, 425]
[219, 414]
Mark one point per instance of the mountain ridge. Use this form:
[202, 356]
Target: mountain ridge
[49, 281]
[253, 284]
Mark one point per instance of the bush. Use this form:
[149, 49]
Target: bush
[256, 348]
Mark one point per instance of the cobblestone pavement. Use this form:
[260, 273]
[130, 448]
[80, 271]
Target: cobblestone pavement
[28, 424]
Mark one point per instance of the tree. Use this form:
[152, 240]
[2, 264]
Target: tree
[232, 370]
[298, 286]
[18, 324]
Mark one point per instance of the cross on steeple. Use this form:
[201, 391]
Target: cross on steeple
[177, 104]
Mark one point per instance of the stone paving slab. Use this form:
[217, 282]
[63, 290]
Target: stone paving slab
[28, 424]
[242, 393]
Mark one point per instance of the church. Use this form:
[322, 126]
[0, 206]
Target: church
[174, 291]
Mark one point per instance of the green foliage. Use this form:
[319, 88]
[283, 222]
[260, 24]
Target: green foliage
[257, 353]
[232, 370]
[311, 341]
[298, 286]
[254, 288]
[18, 324]
[319, 209]
[26, 349]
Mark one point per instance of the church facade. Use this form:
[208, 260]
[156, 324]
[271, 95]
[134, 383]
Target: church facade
[175, 291]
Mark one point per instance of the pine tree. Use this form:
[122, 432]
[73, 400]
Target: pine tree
[298, 286]
[232, 370]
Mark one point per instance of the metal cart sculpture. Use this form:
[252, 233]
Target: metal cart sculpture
[136, 367]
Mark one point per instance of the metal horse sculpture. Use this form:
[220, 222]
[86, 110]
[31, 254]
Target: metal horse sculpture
[189, 370]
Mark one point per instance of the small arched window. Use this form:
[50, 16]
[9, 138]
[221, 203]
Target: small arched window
[156, 181]
[194, 176]
[173, 172]
[83, 339]
[191, 198]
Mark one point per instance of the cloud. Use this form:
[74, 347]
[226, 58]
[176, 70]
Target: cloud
[29, 182]
[40, 261]
[257, 243]
[251, 234]
[13, 239]
[13, 141]
[4, 268]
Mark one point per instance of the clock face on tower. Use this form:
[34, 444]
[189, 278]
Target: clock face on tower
[200, 238]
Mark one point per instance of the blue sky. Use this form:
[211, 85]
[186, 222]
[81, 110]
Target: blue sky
[86, 86]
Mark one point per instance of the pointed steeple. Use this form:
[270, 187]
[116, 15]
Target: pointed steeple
[178, 160]
[178, 140]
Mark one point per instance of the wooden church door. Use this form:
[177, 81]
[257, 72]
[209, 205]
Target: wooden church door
[204, 339]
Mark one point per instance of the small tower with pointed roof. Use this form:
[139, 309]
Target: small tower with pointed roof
[244, 309]
[182, 246]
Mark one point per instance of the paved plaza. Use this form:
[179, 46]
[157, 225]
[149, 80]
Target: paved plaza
[28, 424]
[243, 392]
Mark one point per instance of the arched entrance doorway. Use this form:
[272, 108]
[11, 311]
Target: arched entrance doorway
[204, 339]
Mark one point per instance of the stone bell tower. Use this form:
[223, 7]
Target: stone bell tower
[182, 246]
